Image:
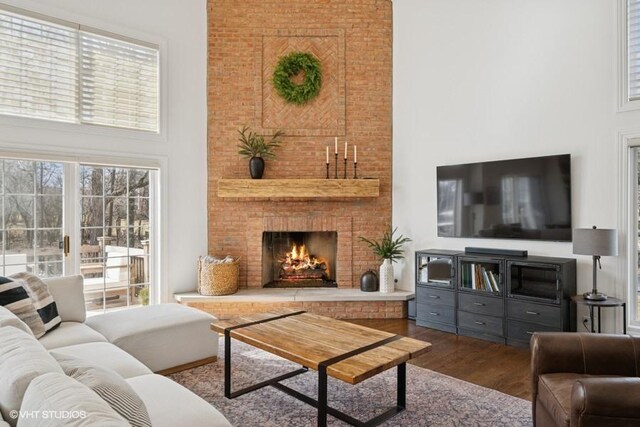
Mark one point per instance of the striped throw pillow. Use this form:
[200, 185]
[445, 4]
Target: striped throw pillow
[14, 297]
[42, 299]
[110, 386]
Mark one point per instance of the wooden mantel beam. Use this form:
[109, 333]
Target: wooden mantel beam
[298, 188]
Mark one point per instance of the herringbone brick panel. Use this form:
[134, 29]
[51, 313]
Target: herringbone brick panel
[324, 111]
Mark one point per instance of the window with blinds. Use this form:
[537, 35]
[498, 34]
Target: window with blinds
[633, 49]
[56, 70]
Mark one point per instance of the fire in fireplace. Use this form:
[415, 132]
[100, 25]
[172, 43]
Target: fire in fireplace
[299, 259]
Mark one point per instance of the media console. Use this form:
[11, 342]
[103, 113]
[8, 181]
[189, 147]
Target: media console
[504, 299]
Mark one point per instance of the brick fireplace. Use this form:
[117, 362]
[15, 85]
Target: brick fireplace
[353, 42]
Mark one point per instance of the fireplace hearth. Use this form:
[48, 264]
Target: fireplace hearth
[299, 259]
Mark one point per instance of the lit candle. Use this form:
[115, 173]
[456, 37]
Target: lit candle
[355, 154]
[327, 154]
[336, 145]
[345, 150]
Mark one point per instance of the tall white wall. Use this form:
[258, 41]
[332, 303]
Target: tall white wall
[180, 28]
[478, 80]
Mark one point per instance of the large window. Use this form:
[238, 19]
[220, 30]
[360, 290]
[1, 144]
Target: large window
[57, 70]
[629, 54]
[61, 218]
[634, 288]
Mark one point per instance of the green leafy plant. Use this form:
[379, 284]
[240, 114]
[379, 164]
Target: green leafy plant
[388, 247]
[253, 145]
[144, 296]
[289, 66]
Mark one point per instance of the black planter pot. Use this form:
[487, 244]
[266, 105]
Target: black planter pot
[369, 281]
[256, 167]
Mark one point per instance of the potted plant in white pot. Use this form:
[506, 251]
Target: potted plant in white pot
[389, 250]
[256, 149]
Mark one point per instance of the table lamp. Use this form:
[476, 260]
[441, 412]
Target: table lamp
[596, 242]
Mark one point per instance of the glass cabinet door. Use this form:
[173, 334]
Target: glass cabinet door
[434, 269]
[538, 281]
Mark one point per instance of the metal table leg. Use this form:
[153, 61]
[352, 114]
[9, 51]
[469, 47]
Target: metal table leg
[402, 386]
[624, 318]
[599, 323]
[227, 364]
[322, 396]
[593, 327]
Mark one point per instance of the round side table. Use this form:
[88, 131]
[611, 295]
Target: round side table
[609, 302]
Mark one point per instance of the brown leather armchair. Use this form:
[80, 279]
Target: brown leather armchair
[583, 379]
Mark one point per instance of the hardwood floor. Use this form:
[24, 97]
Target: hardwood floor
[500, 367]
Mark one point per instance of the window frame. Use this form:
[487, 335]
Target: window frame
[107, 29]
[624, 103]
[627, 220]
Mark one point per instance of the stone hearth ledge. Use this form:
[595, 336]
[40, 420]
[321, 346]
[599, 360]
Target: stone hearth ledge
[295, 295]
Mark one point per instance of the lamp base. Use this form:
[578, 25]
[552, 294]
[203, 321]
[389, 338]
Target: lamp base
[595, 296]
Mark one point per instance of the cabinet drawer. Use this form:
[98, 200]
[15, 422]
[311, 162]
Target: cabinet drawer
[445, 327]
[426, 295]
[436, 313]
[481, 304]
[522, 331]
[479, 322]
[535, 313]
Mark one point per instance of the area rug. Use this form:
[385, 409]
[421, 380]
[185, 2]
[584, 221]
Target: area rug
[433, 399]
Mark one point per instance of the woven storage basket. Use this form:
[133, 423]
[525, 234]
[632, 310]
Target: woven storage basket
[218, 279]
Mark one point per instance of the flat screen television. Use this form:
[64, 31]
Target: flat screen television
[507, 199]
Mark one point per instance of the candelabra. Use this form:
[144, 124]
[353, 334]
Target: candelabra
[355, 170]
[327, 170]
[345, 168]
[336, 155]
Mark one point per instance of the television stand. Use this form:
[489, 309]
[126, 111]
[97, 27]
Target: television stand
[499, 298]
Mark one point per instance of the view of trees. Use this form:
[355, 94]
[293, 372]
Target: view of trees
[114, 211]
[32, 212]
[115, 205]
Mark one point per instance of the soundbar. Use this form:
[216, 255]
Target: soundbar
[494, 251]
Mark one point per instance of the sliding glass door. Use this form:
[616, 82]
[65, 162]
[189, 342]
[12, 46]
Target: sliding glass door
[115, 238]
[62, 218]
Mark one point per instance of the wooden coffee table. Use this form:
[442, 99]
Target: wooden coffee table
[348, 352]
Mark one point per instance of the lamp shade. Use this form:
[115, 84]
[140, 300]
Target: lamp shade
[595, 241]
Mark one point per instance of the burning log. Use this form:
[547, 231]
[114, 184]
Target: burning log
[300, 265]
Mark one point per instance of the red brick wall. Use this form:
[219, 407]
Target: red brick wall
[335, 309]
[353, 40]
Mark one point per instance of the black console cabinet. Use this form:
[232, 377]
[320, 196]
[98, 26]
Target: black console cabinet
[435, 289]
[498, 298]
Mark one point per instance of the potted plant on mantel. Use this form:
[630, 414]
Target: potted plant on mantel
[256, 149]
[389, 250]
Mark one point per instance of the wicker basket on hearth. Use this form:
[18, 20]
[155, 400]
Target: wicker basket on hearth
[217, 278]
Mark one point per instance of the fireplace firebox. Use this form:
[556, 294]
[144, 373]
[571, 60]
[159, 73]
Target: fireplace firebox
[301, 259]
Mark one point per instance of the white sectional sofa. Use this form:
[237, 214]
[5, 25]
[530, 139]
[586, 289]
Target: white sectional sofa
[134, 343]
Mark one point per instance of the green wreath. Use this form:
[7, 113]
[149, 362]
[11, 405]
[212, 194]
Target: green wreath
[290, 65]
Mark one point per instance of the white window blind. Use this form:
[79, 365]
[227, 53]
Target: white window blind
[38, 65]
[119, 82]
[633, 48]
[62, 71]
